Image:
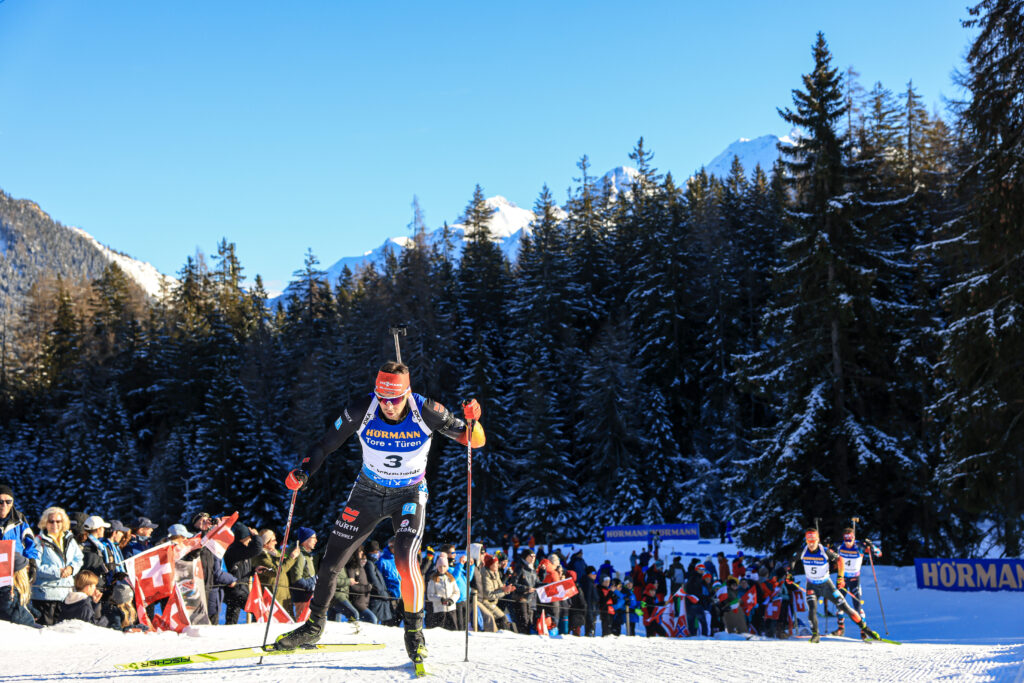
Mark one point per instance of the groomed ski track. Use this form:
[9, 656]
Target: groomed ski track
[80, 652]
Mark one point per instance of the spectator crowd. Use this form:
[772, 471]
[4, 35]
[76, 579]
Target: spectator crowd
[74, 566]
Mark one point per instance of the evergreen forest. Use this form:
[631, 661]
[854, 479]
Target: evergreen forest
[840, 335]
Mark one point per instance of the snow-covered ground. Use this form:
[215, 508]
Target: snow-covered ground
[946, 636]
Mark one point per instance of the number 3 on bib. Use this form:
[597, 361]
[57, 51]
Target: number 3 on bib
[393, 461]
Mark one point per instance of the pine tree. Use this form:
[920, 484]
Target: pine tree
[984, 340]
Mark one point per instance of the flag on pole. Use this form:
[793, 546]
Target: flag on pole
[557, 591]
[140, 606]
[279, 614]
[153, 571]
[6, 563]
[220, 537]
[304, 614]
[254, 605]
[175, 617]
[800, 601]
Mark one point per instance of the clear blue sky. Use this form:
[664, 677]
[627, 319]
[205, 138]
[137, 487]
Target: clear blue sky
[161, 127]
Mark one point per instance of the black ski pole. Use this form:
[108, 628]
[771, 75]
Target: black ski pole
[469, 528]
[277, 579]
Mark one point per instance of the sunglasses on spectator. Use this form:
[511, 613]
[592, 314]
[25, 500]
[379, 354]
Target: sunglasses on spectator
[6, 501]
[847, 537]
[391, 401]
[53, 521]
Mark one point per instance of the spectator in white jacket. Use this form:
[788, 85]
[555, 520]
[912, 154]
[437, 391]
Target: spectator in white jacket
[443, 593]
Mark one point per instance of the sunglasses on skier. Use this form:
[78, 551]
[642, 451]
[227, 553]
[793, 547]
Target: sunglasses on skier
[391, 401]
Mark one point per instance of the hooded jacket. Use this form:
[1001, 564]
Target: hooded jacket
[54, 557]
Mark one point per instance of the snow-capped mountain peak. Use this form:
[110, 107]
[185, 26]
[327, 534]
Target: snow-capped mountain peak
[152, 281]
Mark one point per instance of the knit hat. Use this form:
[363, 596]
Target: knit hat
[240, 531]
[121, 593]
[441, 563]
[20, 561]
[303, 534]
[490, 561]
[373, 547]
[651, 588]
[706, 575]
[4, 488]
[526, 553]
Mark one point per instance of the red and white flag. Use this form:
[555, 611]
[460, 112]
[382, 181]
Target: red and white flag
[304, 614]
[153, 571]
[557, 591]
[220, 537]
[280, 614]
[254, 605]
[6, 563]
[140, 606]
[175, 617]
[749, 600]
[799, 601]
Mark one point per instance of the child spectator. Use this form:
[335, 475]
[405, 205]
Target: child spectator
[120, 612]
[14, 599]
[83, 602]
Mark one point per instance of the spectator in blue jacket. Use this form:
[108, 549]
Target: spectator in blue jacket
[392, 580]
[604, 570]
[14, 526]
[60, 559]
[142, 536]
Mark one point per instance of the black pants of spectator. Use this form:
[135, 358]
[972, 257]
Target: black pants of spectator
[606, 623]
[590, 622]
[446, 620]
[618, 622]
[235, 599]
[654, 629]
[524, 616]
[49, 611]
[696, 621]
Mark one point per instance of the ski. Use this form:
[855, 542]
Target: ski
[244, 652]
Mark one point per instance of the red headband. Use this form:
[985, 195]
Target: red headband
[811, 535]
[390, 385]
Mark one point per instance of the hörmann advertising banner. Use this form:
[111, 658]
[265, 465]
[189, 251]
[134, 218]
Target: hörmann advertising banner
[646, 532]
[970, 575]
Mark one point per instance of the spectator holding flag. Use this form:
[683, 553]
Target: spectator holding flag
[215, 579]
[14, 527]
[14, 598]
[60, 559]
[142, 534]
[240, 560]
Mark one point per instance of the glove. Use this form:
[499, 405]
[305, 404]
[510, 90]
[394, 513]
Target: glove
[471, 410]
[841, 582]
[296, 478]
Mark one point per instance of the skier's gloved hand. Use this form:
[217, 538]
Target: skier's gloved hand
[296, 478]
[471, 410]
[841, 582]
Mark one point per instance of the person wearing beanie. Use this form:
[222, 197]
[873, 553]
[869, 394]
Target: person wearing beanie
[443, 593]
[302, 573]
[492, 589]
[119, 611]
[524, 579]
[394, 427]
[240, 561]
[14, 598]
[699, 598]
[588, 589]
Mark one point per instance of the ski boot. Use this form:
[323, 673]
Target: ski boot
[839, 631]
[815, 638]
[866, 633]
[307, 634]
[415, 643]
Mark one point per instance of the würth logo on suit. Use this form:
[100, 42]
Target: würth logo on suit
[349, 515]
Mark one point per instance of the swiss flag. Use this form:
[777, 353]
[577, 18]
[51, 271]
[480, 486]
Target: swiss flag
[799, 601]
[175, 616]
[280, 614]
[255, 605]
[220, 537]
[557, 591]
[153, 570]
[749, 600]
[305, 611]
[774, 609]
[140, 607]
[6, 563]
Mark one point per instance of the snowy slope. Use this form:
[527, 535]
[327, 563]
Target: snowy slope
[947, 636]
[152, 281]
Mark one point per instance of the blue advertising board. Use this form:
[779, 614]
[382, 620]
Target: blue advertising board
[645, 532]
[970, 575]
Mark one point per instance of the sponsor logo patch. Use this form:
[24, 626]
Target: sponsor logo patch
[404, 523]
[349, 515]
[337, 423]
[409, 509]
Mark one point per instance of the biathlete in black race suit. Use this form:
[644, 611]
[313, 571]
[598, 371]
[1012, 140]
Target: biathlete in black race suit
[394, 427]
[816, 558]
